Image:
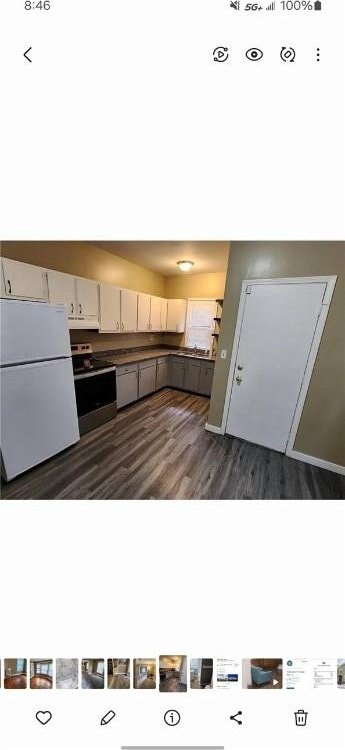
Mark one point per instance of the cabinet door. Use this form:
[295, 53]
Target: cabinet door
[162, 375]
[172, 316]
[164, 314]
[87, 298]
[129, 310]
[176, 315]
[155, 318]
[24, 280]
[177, 374]
[147, 380]
[192, 376]
[127, 388]
[144, 306]
[206, 378]
[61, 287]
[110, 309]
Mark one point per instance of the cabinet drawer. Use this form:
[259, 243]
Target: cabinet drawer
[147, 363]
[123, 369]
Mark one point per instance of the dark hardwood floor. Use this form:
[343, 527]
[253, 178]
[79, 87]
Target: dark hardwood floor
[158, 449]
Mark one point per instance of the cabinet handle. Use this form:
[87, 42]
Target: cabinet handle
[123, 326]
[80, 308]
[117, 326]
[9, 286]
[72, 308]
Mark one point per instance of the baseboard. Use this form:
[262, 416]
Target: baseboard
[213, 428]
[316, 462]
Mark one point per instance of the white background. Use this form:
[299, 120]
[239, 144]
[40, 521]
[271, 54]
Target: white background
[123, 126]
[137, 579]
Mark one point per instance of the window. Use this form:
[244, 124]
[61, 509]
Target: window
[200, 323]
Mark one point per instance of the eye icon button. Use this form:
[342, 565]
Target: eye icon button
[288, 54]
[254, 54]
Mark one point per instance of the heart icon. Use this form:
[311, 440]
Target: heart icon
[44, 717]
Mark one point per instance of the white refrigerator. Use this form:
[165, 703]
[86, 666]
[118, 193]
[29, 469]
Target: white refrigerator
[38, 405]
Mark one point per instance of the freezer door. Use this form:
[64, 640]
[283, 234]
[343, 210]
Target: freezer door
[32, 332]
[38, 414]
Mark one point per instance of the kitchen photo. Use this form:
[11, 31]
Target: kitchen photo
[172, 370]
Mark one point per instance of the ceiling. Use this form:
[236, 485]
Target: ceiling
[209, 257]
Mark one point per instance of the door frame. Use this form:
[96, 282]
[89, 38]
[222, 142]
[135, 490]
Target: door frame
[330, 282]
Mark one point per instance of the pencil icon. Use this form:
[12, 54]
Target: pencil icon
[108, 718]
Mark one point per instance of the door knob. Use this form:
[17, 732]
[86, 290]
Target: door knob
[238, 380]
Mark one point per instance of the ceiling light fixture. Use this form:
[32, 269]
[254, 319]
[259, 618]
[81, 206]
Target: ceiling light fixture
[185, 265]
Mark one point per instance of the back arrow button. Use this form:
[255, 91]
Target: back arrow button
[26, 54]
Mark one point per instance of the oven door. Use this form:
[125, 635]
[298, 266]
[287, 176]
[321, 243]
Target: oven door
[94, 390]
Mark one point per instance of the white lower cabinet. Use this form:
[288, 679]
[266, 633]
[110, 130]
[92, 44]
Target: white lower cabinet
[177, 369]
[206, 378]
[147, 377]
[162, 373]
[192, 375]
[127, 385]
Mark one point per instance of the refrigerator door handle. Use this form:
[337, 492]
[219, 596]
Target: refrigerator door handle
[9, 286]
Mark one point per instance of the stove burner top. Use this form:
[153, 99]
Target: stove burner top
[89, 365]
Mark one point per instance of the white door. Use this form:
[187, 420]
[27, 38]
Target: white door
[277, 331]
[144, 307]
[38, 414]
[129, 310]
[62, 291]
[110, 309]
[87, 298]
[155, 319]
[31, 332]
[23, 280]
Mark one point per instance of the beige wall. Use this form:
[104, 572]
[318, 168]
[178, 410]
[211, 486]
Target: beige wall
[83, 259]
[321, 429]
[197, 285]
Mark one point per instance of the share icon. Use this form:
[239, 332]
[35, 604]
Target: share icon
[234, 718]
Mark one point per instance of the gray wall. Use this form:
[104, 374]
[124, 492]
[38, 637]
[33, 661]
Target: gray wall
[321, 429]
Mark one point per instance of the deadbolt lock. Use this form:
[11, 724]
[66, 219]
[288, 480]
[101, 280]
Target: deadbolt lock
[239, 367]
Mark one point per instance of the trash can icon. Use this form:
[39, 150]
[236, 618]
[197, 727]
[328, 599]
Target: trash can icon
[318, 5]
[301, 718]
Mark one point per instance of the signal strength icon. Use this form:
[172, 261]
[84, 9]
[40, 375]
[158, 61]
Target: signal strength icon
[235, 4]
[271, 6]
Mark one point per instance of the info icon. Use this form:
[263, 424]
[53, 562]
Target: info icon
[172, 718]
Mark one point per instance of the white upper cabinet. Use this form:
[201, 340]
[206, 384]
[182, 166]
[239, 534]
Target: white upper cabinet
[176, 320]
[110, 309]
[87, 299]
[129, 310]
[155, 317]
[80, 297]
[164, 314]
[23, 281]
[144, 308]
[62, 291]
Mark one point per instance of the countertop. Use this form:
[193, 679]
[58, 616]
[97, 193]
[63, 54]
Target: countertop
[140, 356]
